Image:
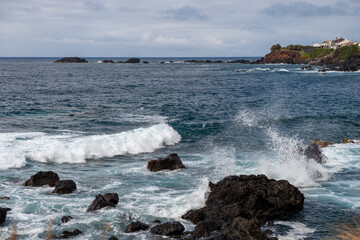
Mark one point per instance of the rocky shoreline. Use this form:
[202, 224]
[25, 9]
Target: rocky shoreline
[236, 206]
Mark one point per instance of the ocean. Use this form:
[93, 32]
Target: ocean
[99, 124]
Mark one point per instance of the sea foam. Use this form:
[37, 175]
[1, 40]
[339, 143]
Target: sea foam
[16, 148]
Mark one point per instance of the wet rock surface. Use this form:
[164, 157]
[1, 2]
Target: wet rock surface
[65, 219]
[171, 162]
[69, 234]
[168, 229]
[3, 213]
[313, 152]
[101, 201]
[64, 187]
[136, 226]
[238, 205]
[42, 178]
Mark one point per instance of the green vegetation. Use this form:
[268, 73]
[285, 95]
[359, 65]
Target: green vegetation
[345, 52]
[275, 47]
[321, 52]
[294, 47]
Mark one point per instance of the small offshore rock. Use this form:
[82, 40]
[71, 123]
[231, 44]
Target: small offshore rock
[145, 62]
[69, 234]
[168, 229]
[171, 162]
[3, 212]
[136, 226]
[66, 219]
[71, 60]
[42, 178]
[4, 198]
[107, 61]
[133, 60]
[345, 140]
[113, 238]
[157, 221]
[64, 187]
[106, 200]
[307, 68]
[320, 143]
[313, 152]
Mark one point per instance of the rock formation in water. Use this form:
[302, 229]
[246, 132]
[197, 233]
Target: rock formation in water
[238, 205]
[3, 213]
[171, 162]
[71, 60]
[64, 187]
[42, 178]
[101, 201]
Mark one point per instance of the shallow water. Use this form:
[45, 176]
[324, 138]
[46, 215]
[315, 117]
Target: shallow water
[99, 124]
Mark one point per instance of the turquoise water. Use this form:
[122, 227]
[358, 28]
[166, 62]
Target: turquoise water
[99, 124]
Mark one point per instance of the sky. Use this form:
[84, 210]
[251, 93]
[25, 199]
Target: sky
[170, 28]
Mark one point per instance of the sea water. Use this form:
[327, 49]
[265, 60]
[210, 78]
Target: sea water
[99, 124]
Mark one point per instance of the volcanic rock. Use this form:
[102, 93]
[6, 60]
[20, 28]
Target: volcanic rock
[108, 61]
[71, 60]
[171, 162]
[64, 187]
[145, 62]
[307, 68]
[3, 212]
[106, 200]
[136, 226]
[284, 56]
[42, 178]
[4, 198]
[133, 60]
[113, 238]
[313, 152]
[68, 234]
[168, 229]
[243, 61]
[238, 205]
[66, 219]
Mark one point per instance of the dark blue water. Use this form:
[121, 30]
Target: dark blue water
[99, 124]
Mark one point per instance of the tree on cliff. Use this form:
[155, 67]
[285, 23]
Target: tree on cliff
[275, 47]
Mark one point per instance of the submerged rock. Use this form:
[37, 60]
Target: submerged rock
[307, 68]
[71, 60]
[133, 60]
[66, 219]
[313, 152]
[69, 234]
[42, 178]
[64, 187]
[238, 205]
[168, 229]
[171, 162]
[106, 200]
[3, 213]
[136, 226]
[4, 198]
[107, 61]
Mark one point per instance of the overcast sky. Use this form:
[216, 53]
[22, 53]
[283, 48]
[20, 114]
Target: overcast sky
[169, 28]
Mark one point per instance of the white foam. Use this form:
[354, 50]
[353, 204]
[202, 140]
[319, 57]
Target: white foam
[298, 230]
[15, 148]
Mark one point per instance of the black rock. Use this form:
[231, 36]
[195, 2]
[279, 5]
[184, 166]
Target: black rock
[133, 60]
[4, 198]
[307, 68]
[3, 212]
[136, 226]
[240, 204]
[313, 152]
[69, 234]
[168, 229]
[108, 61]
[64, 187]
[42, 178]
[171, 162]
[66, 219]
[106, 200]
[71, 60]
[243, 61]
[145, 62]
[113, 238]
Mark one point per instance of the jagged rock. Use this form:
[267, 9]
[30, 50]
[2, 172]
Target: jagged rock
[69, 234]
[3, 212]
[157, 221]
[168, 229]
[71, 60]
[42, 178]
[108, 61]
[313, 152]
[4, 198]
[136, 226]
[101, 201]
[345, 140]
[242, 203]
[66, 219]
[321, 143]
[171, 162]
[284, 56]
[64, 187]
[307, 68]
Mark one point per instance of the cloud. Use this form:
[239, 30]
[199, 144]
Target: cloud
[305, 9]
[94, 6]
[185, 13]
